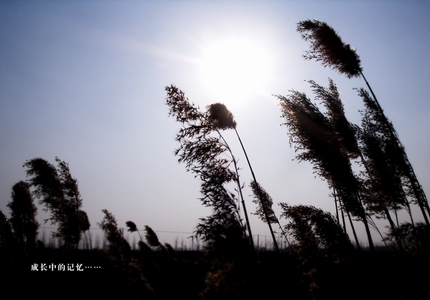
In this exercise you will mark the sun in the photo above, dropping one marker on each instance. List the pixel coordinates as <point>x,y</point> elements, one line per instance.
<point>234,68</point>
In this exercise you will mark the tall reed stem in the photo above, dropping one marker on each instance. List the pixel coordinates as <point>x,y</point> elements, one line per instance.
<point>248,225</point>
<point>258,190</point>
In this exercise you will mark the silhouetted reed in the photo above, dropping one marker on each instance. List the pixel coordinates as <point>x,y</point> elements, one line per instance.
<point>327,47</point>
<point>264,209</point>
<point>222,118</point>
<point>133,228</point>
<point>206,153</point>
<point>312,133</point>
<point>345,132</point>
<point>316,231</point>
<point>118,246</point>
<point>387,164</point>
<point>58,191</point>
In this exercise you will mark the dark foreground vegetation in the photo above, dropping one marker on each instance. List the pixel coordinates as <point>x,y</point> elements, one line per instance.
<point>365,167</point>
<point>194,275</point>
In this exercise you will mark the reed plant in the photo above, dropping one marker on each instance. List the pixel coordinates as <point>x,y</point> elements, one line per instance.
<point>316,231</point>
<point>118,247</point>
<point>58,191</point>
<point>265,211</point>
<point>222,118</point>
<point>133,228</point>
<point>206,154</point>
<point>313,136</point>
<point>327,47</point>
<point>348,136</point>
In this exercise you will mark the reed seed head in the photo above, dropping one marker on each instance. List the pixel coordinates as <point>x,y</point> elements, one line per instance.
<point>220,117</point>
<point>327,47</point>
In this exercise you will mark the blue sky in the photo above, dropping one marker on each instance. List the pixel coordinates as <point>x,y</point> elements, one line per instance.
<point>84,81</point>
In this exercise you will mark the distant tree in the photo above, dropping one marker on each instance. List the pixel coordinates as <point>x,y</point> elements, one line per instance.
<point>58,191</point>
<point>9,249</point>
<point>23,215</point>
<point>6,231</point>
<point>326,46</point>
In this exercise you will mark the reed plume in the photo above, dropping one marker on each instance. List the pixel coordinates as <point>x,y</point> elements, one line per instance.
<point>221,117</point>
<point>133,228</point>
<point>328,48</point>
<point>151,237</point>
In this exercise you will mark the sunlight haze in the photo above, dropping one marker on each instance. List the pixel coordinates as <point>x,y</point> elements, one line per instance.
<point>235,68</point>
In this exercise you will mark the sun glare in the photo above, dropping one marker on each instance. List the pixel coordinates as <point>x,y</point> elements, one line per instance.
<point>234,69</point>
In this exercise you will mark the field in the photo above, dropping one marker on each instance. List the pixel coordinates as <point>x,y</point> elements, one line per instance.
<point>158,274</point>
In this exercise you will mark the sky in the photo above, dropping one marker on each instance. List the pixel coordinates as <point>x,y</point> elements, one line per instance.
<point>84,81</point>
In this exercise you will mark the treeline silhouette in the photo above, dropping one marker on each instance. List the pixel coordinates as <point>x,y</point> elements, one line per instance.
<point>365,167</point>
